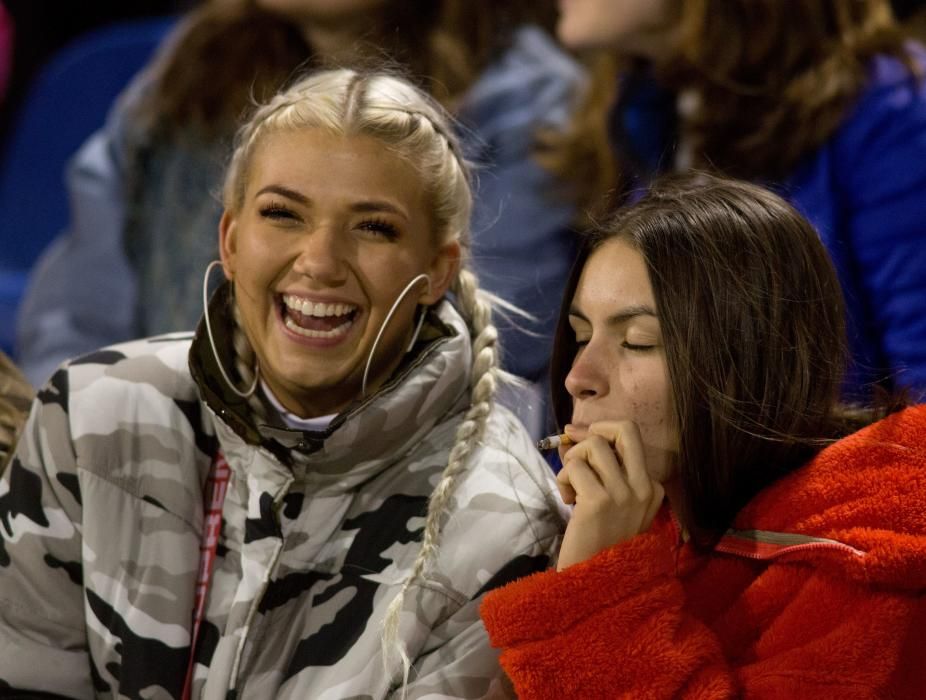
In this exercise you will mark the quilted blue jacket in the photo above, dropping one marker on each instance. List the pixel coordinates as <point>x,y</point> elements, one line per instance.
<point>864,190</point>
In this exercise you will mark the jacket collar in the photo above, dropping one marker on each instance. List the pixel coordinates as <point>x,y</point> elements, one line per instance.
<point>428,385</point>
<point>858,507</point>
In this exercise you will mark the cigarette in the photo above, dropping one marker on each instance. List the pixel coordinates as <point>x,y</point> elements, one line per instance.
<point>551,442</point>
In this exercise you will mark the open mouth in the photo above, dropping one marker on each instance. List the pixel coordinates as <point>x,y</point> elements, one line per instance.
<point>317,319</point>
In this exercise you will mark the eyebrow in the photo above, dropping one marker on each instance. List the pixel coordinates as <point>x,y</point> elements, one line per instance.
<point>363,207</point>
<point>625,314</point>
<point>284,192</point>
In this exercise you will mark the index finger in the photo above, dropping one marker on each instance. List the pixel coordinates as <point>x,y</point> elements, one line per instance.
<point>624,436</point>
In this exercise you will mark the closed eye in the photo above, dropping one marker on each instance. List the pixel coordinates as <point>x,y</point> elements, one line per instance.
<point>380,227</point>
<point>277,212</point>
<point>636,348</point>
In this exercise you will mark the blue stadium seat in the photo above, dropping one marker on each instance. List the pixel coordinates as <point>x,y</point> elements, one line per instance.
<point>66,104</point>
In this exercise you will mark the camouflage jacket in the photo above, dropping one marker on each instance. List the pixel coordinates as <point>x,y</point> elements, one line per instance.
<point>101,515</point>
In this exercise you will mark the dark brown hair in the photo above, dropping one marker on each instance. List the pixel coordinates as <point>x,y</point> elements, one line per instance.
<point>229,54</point>
<point>777,76</point>
<point>751,314</point>
<point>776,79</point>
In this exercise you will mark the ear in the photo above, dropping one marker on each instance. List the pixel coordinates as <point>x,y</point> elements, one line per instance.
<point>443,270</point>
<point>228,243</point>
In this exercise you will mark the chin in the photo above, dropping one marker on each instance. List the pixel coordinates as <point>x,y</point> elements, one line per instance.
<point>577,37</point>
<point>568,38</point>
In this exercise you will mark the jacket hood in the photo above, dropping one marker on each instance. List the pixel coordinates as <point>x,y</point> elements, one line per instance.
<point>429,385</point>
<point>858,507</point>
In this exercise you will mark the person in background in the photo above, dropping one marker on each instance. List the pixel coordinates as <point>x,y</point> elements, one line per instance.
<point>142,220</point>
<point>310,496</point>
<point>822,100</point>
<point>16,395</point>
<point>44,27</point>
<point>737,531</point>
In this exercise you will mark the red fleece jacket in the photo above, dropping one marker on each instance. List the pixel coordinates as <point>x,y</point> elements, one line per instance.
<point>816,592</point>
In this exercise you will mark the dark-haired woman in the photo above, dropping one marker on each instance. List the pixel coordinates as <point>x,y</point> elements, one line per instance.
<point>737,531</point>
<point>144,214</point>
<point>822,100</point>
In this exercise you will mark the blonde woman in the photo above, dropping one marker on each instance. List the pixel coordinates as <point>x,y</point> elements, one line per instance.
<point>308,498</point>
<point>143,210</point>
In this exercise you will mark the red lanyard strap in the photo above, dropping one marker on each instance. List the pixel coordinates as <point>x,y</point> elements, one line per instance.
<point>214,498</point>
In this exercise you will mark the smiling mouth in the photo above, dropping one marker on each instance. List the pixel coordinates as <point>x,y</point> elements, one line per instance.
<point>316,319</point>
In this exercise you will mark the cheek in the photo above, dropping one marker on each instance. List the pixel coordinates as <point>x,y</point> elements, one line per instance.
<point>254,279</point>
<point>384,277</point>
<point>651,414</point>
<point>651,405</point>
<point>261,260</point>
<point>581,24</point>
<point>633,19</point>
<point>654,417</point>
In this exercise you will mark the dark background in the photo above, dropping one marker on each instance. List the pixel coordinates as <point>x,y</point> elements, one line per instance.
<point>43,26</point>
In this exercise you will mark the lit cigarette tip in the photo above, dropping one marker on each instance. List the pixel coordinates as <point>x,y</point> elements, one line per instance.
<point>551,442</point>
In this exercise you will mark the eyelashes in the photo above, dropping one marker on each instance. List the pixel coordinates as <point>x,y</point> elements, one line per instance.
<point>276,211</point>
<point>378,226</point>
<point>637,348</point>
<point>633,347</point>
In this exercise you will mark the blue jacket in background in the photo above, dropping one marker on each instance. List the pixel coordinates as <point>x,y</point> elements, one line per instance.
<point>145,213</point>
<point>864,190</point>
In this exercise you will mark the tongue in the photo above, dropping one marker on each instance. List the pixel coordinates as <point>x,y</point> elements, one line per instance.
<point>317,323</point>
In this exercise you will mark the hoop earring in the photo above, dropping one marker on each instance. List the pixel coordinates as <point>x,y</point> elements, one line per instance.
<point>411,343</point>
<point>395,305</point>
<point>215,353</point>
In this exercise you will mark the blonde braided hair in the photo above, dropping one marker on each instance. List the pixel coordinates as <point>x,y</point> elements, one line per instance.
<point>411,123</point>
<point>477,311</point>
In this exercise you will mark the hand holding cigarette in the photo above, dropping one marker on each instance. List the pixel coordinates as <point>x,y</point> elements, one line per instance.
<point>605,477</point>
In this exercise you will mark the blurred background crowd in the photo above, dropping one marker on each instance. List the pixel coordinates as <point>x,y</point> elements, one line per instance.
<point>116,119</point>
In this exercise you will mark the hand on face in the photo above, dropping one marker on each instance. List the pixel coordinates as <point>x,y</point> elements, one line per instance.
<point>620,389</point>
<point>605,476</point>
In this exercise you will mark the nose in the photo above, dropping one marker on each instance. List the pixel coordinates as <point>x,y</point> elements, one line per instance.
<point>321,255</point>
<point>588,377</point>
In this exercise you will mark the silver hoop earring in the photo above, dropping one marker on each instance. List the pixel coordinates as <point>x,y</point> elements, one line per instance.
<point>215,353</point>
<point>411,343</point>
<point>395,305</point>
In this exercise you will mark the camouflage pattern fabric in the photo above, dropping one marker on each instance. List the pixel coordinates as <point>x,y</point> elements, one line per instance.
<point>101,513</point>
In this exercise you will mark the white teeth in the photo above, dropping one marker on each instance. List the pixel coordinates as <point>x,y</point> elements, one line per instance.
<point>340,330</point>
<point>320,310</point>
